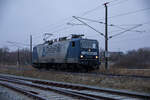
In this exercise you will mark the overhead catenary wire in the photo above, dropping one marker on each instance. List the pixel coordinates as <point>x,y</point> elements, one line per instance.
<point>92,11</point>
<point>89,11</point>
<point>144,23</point>
<point>131,39</point>
<point>88,25</point>
<point>97,21</point>
<point>65,28</point>
<point>117,26</point>
<point>83,14</point>
<point>121,1</point>
<point>58,26</point>
<point>55,27</point>
<point>113,25</point>
<point>62,29</point>
<point>124,31</point>
<point>128,13</point>
<point>91,20</point>
<point>17,43</point>
<point>148,22</point>
<point>52,32</point>
<point>112,1</point>
<point>136,11</point>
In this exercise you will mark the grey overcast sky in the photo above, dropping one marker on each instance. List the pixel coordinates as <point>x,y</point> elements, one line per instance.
<point>20,18</point>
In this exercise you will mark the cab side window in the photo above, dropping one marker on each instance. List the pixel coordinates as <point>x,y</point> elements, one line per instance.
<point>73,44</point>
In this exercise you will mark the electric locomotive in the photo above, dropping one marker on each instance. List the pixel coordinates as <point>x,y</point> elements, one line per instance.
<point>76,53</point>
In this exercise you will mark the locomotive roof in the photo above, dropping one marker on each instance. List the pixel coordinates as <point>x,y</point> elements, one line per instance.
<point>72,39</point>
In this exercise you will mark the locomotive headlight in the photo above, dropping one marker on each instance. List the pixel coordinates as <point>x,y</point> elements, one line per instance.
<point>81,56</point>
<point>96,57</point>
<point>89,50</point>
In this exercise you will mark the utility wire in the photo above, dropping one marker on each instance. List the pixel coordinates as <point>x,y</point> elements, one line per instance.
<point>133,38</point>
<point>97,21</point>
<point>127,24</point>
<point>84,13</point>
<point>88,25</point>
<point>89,11</point>
<point>91,20</point>
<point>128,13</point>
<point>148,22</point>
<point>17,43</point>
<point>65,28</point>
<point>62,29</point>
<point>55,27</point>
<point>118,3</point>
<point>39,34</point>
<point>113,25</point>
<point>125,28</point>
<point>112,1</point>
<point>118,26</point>
<point>124,31</point>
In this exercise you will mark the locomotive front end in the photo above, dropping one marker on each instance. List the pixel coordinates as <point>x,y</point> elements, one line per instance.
<point>89,53</point>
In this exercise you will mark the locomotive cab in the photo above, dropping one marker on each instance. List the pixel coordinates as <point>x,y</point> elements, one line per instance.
<point>89,52</point>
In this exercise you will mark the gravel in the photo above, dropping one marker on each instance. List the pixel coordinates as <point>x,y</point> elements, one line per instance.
<point>8,94</point>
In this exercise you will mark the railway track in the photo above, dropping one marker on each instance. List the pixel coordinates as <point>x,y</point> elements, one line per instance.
<point>75,91</point>
<point>28,93</point>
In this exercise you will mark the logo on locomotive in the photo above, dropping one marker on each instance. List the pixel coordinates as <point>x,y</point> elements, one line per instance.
<point>51,49</point>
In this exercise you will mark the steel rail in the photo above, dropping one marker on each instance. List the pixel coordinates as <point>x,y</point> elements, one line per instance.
<point>81,87</point>
<point>57,90</point>
<point>30,94</point>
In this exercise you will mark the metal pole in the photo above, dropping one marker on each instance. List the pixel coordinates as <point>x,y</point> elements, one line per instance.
<point>31,48</point>
<point>106,37</point>
<point>18,57</point>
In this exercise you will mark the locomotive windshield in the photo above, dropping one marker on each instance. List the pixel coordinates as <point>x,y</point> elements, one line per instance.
<point>89,44</point>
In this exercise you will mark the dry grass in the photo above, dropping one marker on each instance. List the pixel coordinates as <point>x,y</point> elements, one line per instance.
<point>139,85</point>
<point>124,71</point>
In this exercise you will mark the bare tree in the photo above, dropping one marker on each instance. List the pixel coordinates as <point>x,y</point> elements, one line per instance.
<point>11,57</point>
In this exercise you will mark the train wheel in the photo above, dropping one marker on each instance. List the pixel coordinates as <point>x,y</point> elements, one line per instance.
<point>83,68</point>
<point>47,68</point>
<point>37,66</point>
<point>96,67</point>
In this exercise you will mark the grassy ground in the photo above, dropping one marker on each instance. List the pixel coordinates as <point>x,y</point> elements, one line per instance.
<point>124,71</point>
<point>139,85</point>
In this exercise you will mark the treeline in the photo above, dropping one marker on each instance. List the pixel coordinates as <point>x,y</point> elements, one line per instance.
<point>132,59</point>
<point>21,56</point>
